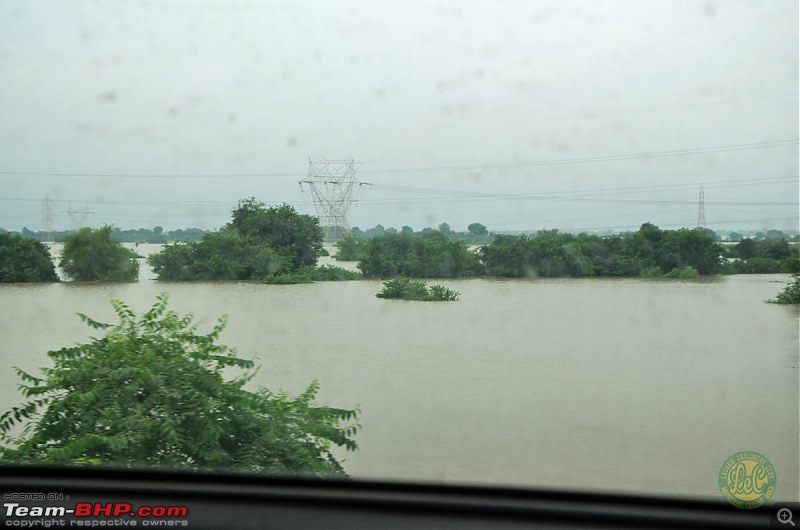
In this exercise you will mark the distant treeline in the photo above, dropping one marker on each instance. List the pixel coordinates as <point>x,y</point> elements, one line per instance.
<point>476,234</point>
<point>649,252</point>
<point>279,245</point>
<point>135,235</point>
<point>770,255</point>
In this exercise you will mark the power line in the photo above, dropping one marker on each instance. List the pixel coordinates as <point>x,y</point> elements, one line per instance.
<point>622,190</point>
<point>454,195</point>
<point>332,183</point>
<point>427,169</point>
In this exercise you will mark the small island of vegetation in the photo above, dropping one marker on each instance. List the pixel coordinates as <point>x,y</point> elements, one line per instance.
<point>94,255</point>
<point>269,244</point>
<point>24,260</point>
<point>408,289</point>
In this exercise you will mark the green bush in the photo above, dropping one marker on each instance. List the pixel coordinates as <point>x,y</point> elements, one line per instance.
<point>351,248</point>
<point>153,392</point>
<point>408,289</point>
<point>639,253</point>
<point>259,242</point>
<point>331,273</point>
<point>24,260</point>
<point>95,255</point>
<point>756,266</point>
<point>687,273</point>
<point>790,293</point>
<point>428,255</point>
<point>652,272</point>
<point>323,273</point>
<point>296,237</point>
<point>223,255</point>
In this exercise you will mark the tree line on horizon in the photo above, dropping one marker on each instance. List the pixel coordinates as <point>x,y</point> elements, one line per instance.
<point>279,245</point>
<point>155,235</point>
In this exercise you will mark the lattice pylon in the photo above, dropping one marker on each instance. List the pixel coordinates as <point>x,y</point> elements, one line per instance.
<point>332,183</point>
<point>701,209</point>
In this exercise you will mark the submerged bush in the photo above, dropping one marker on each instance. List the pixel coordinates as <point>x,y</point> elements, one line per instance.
<point>223,255</point>
<point>259,241</point>
<point>687,273</point>
<point>323,273</point>
<point>551,253</point>
<point>351,248</point>
<point>429,255</point>
<point>408,289</point>
<point>652,272</point>
<point>790,293</point>
<point>91,255</point>
<point>24,260</point>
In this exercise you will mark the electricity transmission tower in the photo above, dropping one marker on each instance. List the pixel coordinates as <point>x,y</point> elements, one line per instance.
<point>332,183</point>
<point>78,217</point>
<point>701,211</point>
<point>47,218</point>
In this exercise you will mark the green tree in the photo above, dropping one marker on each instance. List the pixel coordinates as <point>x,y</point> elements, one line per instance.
<point>257,243</point>
<point>445,229</point>
<point>223,255</point>
<point>746,248</point>
<point>296,237</point>
<point>351,248</point>
<point>650,251</point>
<point>776,234</point>
<point>478,229</point>
<point>428,255</point>
<point>407,229</point>
<point>153,392</point>
<point>24,260</point>
<point>95,255</point>
<point>774,248</point>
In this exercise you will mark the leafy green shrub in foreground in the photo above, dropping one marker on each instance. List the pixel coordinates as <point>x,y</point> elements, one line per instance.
<point>408,289</point>
<point>153,392</point>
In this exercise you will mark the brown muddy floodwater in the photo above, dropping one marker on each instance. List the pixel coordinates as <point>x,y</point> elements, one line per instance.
<point>596,384</point>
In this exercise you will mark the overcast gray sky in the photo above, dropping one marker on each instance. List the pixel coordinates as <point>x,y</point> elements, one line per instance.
<point>519,115</point>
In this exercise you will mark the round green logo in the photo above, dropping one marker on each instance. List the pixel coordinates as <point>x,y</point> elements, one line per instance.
<point>747,480</point>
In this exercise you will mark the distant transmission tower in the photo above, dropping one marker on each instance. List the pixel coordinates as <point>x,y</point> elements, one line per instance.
<point>701,211</point>
<point>332,183</point>
<point>47,218</point>
<point>78,217</point>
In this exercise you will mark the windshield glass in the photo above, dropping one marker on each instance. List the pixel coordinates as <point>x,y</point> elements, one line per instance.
<point>544,244</point>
